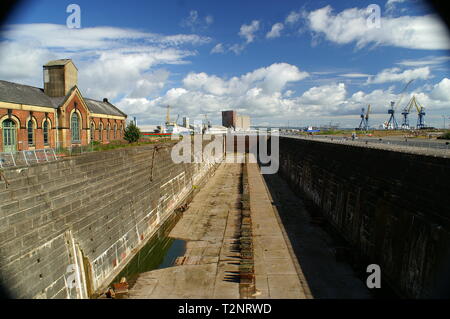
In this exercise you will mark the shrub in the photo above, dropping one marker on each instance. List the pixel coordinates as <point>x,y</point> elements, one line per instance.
<point>445,136</point>
<point>132,133</point>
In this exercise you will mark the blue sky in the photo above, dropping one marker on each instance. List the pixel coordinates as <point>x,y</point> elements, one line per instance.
<point>306,62</point>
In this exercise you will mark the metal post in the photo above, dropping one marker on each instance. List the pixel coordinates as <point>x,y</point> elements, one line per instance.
<point>25,157</point>
<point>14,161</point>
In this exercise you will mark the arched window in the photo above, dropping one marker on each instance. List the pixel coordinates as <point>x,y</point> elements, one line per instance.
<point>115,131</point>
<point>9,136</point>
<point>92,132</point>
<point>75,128</point>
<point>45,131</point>
<point>100,128</point>
<point>30,130</point>
<point>108,131</point>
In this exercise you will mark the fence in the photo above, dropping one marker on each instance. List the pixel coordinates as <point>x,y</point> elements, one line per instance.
<point>27,158</point>
<point>424,147</point>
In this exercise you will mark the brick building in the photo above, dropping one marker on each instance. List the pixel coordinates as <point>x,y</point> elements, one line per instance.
<point>57,115</point>
<point>231,119</point>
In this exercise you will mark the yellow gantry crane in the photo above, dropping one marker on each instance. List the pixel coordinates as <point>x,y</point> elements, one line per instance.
<point>392,123</point>
<point>420,114</point>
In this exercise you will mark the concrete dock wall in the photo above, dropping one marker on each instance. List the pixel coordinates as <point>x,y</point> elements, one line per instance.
<point>68,228</point>
<point>392,208</point>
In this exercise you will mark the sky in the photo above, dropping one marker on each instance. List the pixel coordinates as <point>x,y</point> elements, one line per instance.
<point>294,63</point>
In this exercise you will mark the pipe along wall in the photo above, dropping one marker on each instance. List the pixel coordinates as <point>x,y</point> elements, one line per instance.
<point>392,208</point>
<point>67,228</point>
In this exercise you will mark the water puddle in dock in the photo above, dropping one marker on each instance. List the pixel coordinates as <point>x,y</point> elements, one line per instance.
<point>160,252</point>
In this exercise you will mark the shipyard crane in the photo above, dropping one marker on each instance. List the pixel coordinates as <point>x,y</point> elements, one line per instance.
<point>420,114</point>
<point>364,125</point>
<point>405,113</point>
<point>168,115</point>
<point>207,121</point>
<point>392,123</point>
<point>367,117</point>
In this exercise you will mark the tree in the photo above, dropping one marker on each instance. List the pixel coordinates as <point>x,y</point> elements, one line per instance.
<point>132,133</point>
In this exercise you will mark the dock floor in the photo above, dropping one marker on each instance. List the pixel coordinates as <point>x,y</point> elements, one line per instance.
<point>210,266</point>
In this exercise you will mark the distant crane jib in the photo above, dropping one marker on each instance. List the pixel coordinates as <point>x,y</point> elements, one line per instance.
<point>402,94</point>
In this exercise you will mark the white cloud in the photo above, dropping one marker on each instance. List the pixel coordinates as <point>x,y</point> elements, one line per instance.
<point>264,94</point>
<point>355,75</point>
<point>192,20</point>
<point>441,91</point>
<point>391,4</point>
<point>259,93</point>
<point>112,62</point>
<point>209,19</point>
<point>195,22</point>
<point>415,32</point>
<point>275,32</point>
<point>248,31</point>
<point>270,79</point>
<point>292,18</point>
<point>60,37</point>
<point>150,83</point>
<point>430,61</point>
<point>237,48</point>
<point>116,73</point>
<point>333,94</point>
<point>22,63</point>
<point>396,75</point>
<point>218,48</point>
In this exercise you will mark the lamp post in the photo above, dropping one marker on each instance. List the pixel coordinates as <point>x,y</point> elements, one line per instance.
<point>443,116</point>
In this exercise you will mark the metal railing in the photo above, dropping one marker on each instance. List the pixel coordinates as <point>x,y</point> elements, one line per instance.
<point>27,158</point>
<point>425,147</point>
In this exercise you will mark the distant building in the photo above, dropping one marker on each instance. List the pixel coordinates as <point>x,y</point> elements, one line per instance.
<point>186,122</point>
<point>57,115</point>
<point>230,119</point>
<point>216,129</point>
<point>243,122</point>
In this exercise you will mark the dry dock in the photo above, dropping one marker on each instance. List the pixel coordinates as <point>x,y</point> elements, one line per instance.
<point>210,266</point>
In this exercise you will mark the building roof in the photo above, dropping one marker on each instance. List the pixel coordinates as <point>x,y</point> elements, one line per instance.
<point>24,94</point>
<point>29,95</point>
<point>103,107</point>
<point>60,62</point>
